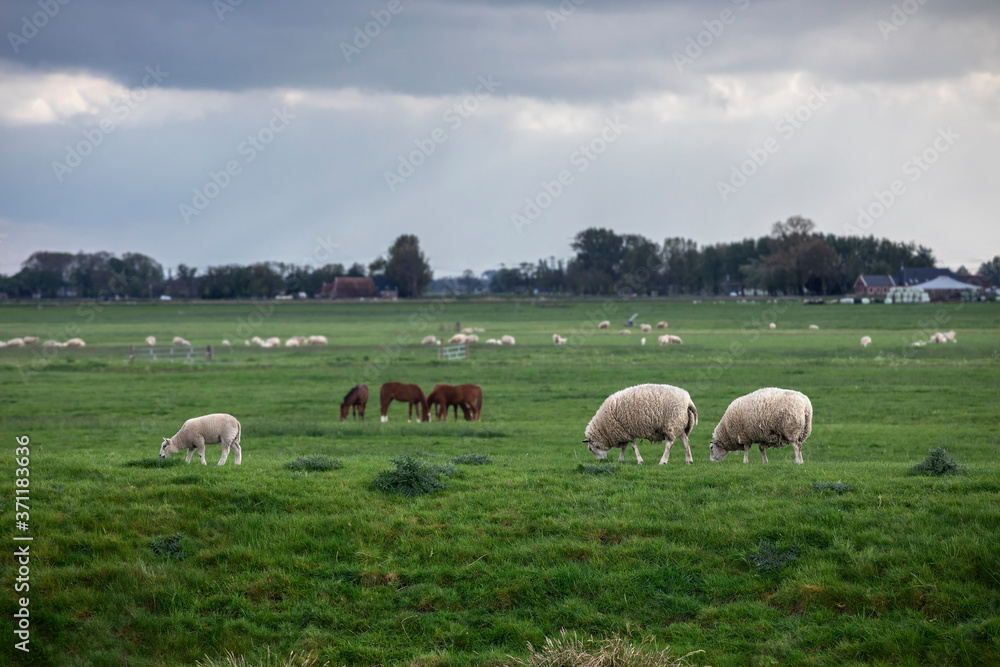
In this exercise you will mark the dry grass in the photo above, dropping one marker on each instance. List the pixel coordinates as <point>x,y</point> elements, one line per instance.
<point>231,660</point>
<point>614,651</point>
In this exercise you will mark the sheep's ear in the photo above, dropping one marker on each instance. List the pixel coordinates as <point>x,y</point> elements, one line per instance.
<point>586,442</point>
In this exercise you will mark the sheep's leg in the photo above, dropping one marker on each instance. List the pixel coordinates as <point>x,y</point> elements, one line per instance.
<point>635,448</point>
<point>763,454</point>
<point>687,449</point>
<point>666,452</point>
<point>797,446</point>
<point>201,452</point>
<point>621,457</point>
<point>225,454</point>
<point>746,453</point>
<point>238,452</point>
<point>190,454</point>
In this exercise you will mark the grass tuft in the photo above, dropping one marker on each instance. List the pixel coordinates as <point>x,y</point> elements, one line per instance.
<point>837,487</point>
<point>168,547</point>
<point>614,651</point>
<point>473,459</point>
<point>596,468</point>
<point>315,463</point>
<point>413,476</point>
<point>768,559</point>
<point>938,463</point>
<point>154,462</point>
<point>231,660</point>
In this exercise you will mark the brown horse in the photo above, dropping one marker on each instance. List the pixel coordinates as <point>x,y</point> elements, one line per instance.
<point>469,397</point>
<point>355,402</point>
<point>408,393</point>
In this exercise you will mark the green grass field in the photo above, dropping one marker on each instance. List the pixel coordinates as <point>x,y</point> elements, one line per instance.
<point>898,570</point>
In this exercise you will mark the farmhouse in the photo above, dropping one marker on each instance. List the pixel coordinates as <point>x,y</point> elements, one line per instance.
<point>872,284</point>
<point>911,277</point>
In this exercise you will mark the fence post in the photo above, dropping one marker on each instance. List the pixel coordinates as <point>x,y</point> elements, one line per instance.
<point>208,353</point>
<point>466,349</point>
<point>131,352</point>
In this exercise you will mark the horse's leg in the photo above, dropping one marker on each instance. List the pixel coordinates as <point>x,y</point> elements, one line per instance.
<point>384,406</point>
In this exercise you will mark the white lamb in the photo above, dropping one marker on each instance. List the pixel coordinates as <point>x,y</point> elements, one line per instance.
<point>292,342</point>
<point>866,341</point>
<point>646,328</point>
<point>813,326</point>
<point>180,342</point>
<point>625,332</point>
<point>772,325</point>
<point>15,342</point>
<point>256,340</point>
<point>458,338</point>
<point>661,325</point>
<point>769,417</point>
<point>273,341</point>
<point>604,325</point>
<point>667,339</point>
<point>150,340</point>
<point>651,412</point>
<point>506,339</point>
<point>472,338</point>
<point>939,338</point>
<point>467,330</point>
<point>478,330</point>
<point>317,340</point>
<point>208,430</point>
<point>558,340</point>
<point>31,340</point>
<point>75,342</point>
<point>643,341</point>
<point>493,341</point>
<point>48,343</point>
<point>429,340</point>
<point>4,343</point>
<point>950,335</point>
<point>226,343</point>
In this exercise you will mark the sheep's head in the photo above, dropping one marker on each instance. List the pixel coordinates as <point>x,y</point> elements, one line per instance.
<point>717,453</point>
<point>168,448</point>
<point>599,451</point>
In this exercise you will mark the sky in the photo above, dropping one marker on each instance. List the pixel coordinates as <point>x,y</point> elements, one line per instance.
<point>211,132</point>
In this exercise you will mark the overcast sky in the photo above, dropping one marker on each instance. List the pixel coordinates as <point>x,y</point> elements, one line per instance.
<point>207,133</point>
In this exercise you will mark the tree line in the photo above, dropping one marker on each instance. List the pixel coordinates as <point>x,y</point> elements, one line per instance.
<point>793,259</point>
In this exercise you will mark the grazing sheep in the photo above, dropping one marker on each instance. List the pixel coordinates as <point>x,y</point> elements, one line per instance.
<point>769,417</point>
<point>151,340</point>
<point>939,338</point>
<point>291,342</point>
<point>180,342</point>
<point>866,341</point>
<point>626,332</point>
<point>246,342</point>
<point>48,343</point>
<point>4,344</point>
<point>478,330</point>
<point>226,343</point>
<point>31,340</point>
<point>75,342</point>
<point>273,341</point>
<point>493,341</point>
<point>651,412</point>
<point>661,325</point>
<point>207,430</point>
<point>643,341</point>
<point>646,328</point>
<point>667,339</point>
<point>558,340</point>
<point>458,338</point>
<point>317,340</point>
<point>472,338</point>
<point>429,340</point>
<point>15,342</point>
<point>813,326</point>
<point>950,335</point>
<point>604,325</point>
<point>772,325</point>
<point>467,330</point>
<point>918,343</point>
<point>506,340</point>
<point>256,340</point>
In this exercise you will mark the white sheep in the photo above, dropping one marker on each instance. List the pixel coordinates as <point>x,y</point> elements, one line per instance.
<point>429,340</point>
<point>273,341</point>
<point>257,340</point>
<point>151,340</point>
<point>458,338</point>
<point>15,342</point>
<point>226,343</point>
<point>48,343</point>
<point>493,341</point>
<point>506,340</point>
<point>558,340</point>
<point>646,328</point>
<point>661,325</point>
<point>625,332</point>
<point>667,339</point>
<point>651,412</point>
<point>180,342</point>
<point>478,330</point>
<point>950,335</point>
<point>207,430</point>
<point>643,341</point>
<point>813,326</point>
<point>317,340</point>
<point>604,325</point>
<point>75,342</point>
<point>31,340</point>
<point>772,325</point>
<point>4,343</point>
<point>467,330</point>
<point>472,338</point>
<point>939,338</point>
<point>292,342</point>
<point>866,341</point>
<point>769,417</point>
<point>918,343</point>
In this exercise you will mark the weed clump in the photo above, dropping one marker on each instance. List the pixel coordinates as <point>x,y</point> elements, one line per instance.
<point>837,487</point>
<point>938,463</point>
<point>473,459</point>
<point>413,476</point>
<point>272,660</point>
<point>316,463</point>
<point>617,651</point>
<point>768,559</point>
<point>596,469</point>
<point>168,547</point>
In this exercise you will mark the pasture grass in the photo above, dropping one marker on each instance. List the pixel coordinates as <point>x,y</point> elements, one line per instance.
<point>902,569</point>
